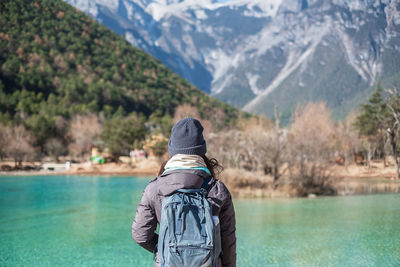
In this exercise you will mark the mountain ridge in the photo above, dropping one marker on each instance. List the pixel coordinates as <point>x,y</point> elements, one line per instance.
<point>252,53</point>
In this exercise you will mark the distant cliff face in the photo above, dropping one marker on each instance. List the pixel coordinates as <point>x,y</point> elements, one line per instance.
<point>258,53</point>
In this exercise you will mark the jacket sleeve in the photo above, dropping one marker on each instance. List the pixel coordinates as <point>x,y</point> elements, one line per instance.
<point>145,223</point>
<point>228,233</point>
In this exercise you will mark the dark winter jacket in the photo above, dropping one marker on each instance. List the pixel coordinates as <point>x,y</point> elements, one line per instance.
<point>148,213</point>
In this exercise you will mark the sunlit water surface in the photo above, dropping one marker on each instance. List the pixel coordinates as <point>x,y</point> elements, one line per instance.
<point>85,221</point>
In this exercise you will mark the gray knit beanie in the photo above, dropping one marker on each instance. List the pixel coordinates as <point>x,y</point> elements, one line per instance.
<point>187,138</point>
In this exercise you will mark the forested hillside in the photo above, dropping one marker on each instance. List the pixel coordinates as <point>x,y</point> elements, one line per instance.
<point>56,62</point>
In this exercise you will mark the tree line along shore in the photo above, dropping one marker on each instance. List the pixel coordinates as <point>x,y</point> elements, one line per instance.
<point>314,155</point>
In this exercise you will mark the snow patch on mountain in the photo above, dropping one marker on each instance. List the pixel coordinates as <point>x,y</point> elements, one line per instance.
<point>256,8</point>
<point>294,60</point>
<point>220,63</point>
<point>253,83</point>
<point>90,7</point>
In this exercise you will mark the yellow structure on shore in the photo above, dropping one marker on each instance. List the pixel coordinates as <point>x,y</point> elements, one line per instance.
<point>153,144</point>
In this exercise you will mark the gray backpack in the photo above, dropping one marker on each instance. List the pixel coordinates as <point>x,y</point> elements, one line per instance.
<point>189,235</point>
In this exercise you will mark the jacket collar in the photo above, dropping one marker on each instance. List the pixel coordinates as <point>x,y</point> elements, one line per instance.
<point>178,179</point>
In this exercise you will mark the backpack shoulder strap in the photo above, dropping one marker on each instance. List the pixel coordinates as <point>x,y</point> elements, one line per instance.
<point>205,183</point>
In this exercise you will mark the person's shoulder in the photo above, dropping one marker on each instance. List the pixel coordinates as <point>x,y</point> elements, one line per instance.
<point>151,188</point>
<point>154,179</point>
<point>220,185</point>
<point>219,189</point>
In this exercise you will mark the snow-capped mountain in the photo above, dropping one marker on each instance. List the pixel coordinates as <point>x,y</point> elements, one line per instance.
<point>257,53</point>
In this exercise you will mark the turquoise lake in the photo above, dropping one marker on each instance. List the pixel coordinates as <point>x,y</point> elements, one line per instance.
<point>86,221</point>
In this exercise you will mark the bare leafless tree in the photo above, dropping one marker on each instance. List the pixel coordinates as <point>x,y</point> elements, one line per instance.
<point>3,141</point>
<point>84,130</point>
<point>19,144</point>
<point>227,147</point>
<point>185,110</point>
<point>55,148</point>
<point>393,125</point>
<point>277,152</point>
<point>208,128</point>
<point>346,139</point>
<point>310,144</point>
<point>265,146</point>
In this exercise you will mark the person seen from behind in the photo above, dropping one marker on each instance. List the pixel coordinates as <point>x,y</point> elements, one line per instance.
<point>193,208</point>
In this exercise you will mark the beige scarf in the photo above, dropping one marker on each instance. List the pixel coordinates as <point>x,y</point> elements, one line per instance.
<point>183,161</point>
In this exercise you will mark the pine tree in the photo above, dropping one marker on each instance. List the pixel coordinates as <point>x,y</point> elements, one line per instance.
<point>372,123</point>
<point>372,114</point>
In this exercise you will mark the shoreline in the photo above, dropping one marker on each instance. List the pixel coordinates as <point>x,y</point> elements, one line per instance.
<point>349,180</point>
<point>56,173</point>
<point>144,168</point>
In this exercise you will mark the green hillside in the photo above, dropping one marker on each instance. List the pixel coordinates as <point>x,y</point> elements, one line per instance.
<point>57,62</point>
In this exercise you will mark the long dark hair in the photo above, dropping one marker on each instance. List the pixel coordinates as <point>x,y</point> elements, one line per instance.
<point>212,164</point>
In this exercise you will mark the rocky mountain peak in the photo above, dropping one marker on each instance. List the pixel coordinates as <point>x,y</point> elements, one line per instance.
<point>257,53</point>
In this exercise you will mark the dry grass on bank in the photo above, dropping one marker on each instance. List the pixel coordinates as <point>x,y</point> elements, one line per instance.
<point>375,171</point>
<point>144,167</point>
<point>243,183</point>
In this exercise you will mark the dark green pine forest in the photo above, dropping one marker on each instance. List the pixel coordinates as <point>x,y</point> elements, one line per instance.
<point>56,62</point>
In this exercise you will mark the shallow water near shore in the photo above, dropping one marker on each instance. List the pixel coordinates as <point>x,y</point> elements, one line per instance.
<point>85,221</point>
